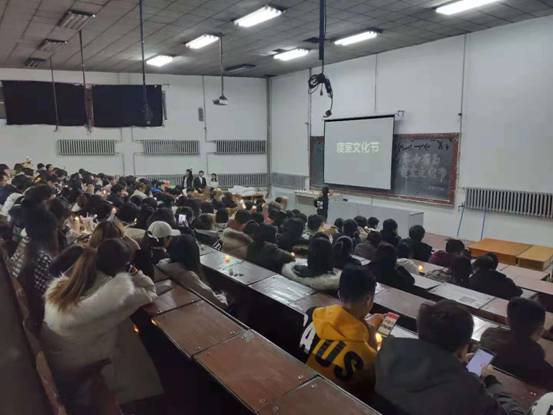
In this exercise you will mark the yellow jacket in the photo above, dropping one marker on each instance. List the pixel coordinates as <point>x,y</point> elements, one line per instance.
<point>340,347</point>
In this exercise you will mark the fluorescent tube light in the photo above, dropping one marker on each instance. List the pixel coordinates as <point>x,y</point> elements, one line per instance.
<point>34,62</point>
<point>75,20</point>
<point>359,37</point>
<point>202,41</point>
<point>160,60</point>
<point>239,68</point>
<point>462,6</point>
<point>49,45</point>
<point>291,54</point>
<point>259,16</point>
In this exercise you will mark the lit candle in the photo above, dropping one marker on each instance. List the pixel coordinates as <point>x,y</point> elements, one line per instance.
<point>227,259</point>
<point>421,269</point>
<point>293,254</point>
<point>378,338</point>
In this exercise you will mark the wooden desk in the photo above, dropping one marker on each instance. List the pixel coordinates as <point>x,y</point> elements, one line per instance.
<point>315,300</point>
<point>317,397</point>
<point>236,362</point>
<point>523,393</point>
<point>204,250</point>
<point>425,283</point>
<point>282,289</point>
<point>217,260</point>
<point>462,295</point>
<point>401,302</point>
<point>537,257</point>
<point>506,251</point>
<point>519,273</point>
<point>196,327</point>
<point>427,266</point>
<point>246,273</point>
<point>175,298</point>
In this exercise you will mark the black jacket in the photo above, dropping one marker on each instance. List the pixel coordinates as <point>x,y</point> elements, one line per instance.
<point>390,237</point>
<point>115,200</point>
<point>523,358</point>
<point>188,182</point>
<point>421,250</point>
<point>420,379</point>
<point>322,206</point>
<point>397,277</point>
<point>269,256</point>
<point>200,183</point>
<point>494,283</point>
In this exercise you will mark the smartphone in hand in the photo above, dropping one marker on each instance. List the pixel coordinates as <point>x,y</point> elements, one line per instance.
<point>480,360</point>
<point>390,320</point>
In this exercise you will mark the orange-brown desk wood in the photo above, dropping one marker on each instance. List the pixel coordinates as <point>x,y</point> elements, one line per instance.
<point>319,397</point>
<point>497,310</point>
<point>196,327</point>
<point>401,302</point>
<point>537,257</point>
<point>172,299</point>
<point>523,393</point>
<point>282,289</point>
<point>506,251</point>
<point>236,362</point>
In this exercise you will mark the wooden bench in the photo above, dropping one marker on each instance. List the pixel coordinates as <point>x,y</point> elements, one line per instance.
<point>507,252</point>
<point>537,257</point>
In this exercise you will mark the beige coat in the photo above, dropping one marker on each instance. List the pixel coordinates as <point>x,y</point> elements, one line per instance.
<point>235,243</point>
<point>99,328</point>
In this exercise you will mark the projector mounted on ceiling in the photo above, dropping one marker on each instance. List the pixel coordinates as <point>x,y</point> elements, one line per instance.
<point>222,100</point>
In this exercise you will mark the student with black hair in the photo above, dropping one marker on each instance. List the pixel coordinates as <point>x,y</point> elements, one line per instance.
<point>421,250</point>
<point>264,250</point>
<point>200,182</point>
<point>351,229</point>
<point>292,235</point>
<point>367,248</point>
<point>221,219</point>
<point>404,258</point>
<point>338,342</point>
<point>342,250</point>
<point>321,203</point>
<point>453,247</point>
<point>516,349</point>
<point>428,375</point>
<point>372,223</point>
<point>318,271</point>
<point>314,223</point>
<point>5,188</point>
<point>188,180</point>
<point>20,184</point>
<point>457,273</point>
<point>235,241</point>
<point>339,223</point>
<point>389,232</point>
<point>489,281</point>
<point>384,267</point>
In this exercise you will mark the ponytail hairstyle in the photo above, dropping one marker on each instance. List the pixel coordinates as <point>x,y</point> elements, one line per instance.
<point>342,250</point>
<point>68,292</point>
<point>105,230</point>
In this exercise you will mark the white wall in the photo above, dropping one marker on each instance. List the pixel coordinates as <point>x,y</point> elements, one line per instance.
<point>244,118</point>
<point>499,79</point>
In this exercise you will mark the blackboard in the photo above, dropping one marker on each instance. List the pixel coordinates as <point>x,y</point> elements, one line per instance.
<point>424,166</point>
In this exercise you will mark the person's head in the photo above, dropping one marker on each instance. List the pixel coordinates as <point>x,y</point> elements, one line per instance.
<point>127,212</point>
<point>250,228</point>
<point>361,221</point>
<point>189,172</point>
<point>374,238</point>
<point>242,217</point>
<point>526,318</point>
<point>113,256</point>
<point>339,223</point>
<point>118,189</point>
<point>149,201</point>
<point>350,228</point>
<point>103,231</point>
<point>39,194</point>
<point>461,268</point>
<point>389,226</point>
<point>293,227</point>
<point>41,226</point>
<point>386,255</point>
<point>40,166</point>
<point>22,183</point>
<point>3,180</point>
<point>213,177</point>
<point>164,215</point>
<point>494,259</point>
<point>483,263</point>
<point>356,290</point>
<point>161,233</point>
<point>207,207</point>
<point>416,233</point>
<point>141,187</point>
<point>319,257</point>
<point>204,222</point>
<point>325,190</point>
<point>102,209</point>
<point>185,251</point>
<point>257,217</point>
<point>454,246</point>
<point>342,250</point>
<point>60,209</point>
<point>49,167</point>
<point>404,250</point>
<point>201,173</point>
<point>314,222</point>
<point>264,233</point>
<point>221,216</point>
<point>446,325</point>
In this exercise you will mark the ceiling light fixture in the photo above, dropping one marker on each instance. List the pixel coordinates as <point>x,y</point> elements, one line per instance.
<point>239,68</point>
<point>462,6</point>
<point>160,60</point>
<point>48,45</point>
<point>291,54</point>
<point>75,20</point>
<point>359,37</point>
<point>34,62</point>
<point>259,16</point>
<point>202,41</point>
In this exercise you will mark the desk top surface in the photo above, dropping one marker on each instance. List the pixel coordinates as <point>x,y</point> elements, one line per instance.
<point>216,260</point>
<point>401,302</point>
<point>427,266</point>
<point>235,364</point>
<point>462,295</point>
<point>315,300</point>
<point>500,246</point>
<point>172,299</point>
<point>196,327</point>
<point>537,253</point>
<point>524,273</point>
<point>246,273</point>
<point>282,289</point>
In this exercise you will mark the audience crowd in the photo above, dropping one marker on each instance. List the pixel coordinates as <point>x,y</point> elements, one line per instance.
<point>87,249</point>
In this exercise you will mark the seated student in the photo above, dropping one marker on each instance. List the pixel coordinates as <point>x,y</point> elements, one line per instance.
<point>384,267</point>
<point>351,229</point>
<point>428,375</point>
<point>184,267</point>
<point>339,224</point>
<point>117,195</point>
<point>458,272</point>
<point>421,250</point>
<point>20,183</point>
<point>489,281</point>
<point>342,249</point>
<point>372,224</point>
<point>389,232</point>
<point>404,255</point>
<point>153,247</point>
<point>314,223</point>
<point>235,241</point>
<point>362,224</point>
<point>86,321</point>
<point>221,219</point>
<point>453,247</point>
<point>367,249</point>
<point>292,235</point>
<point>318,271</point>
<point>140,191</point>
<point>264,251</point>
<point>516,349</point>
<point>338,342</point>
<point>127,215</point>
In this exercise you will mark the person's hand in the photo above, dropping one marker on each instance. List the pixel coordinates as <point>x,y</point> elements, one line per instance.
<point>375,320</point>
<point>468,357</point>
<point>487,371</point>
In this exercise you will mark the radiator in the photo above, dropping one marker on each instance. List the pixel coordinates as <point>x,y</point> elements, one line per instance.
<point>240,146</point>
<point>75,147</point>
<point>288,181</point>
<point>225,180</point>
<point>510,201</point>
<point>170,147</point>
